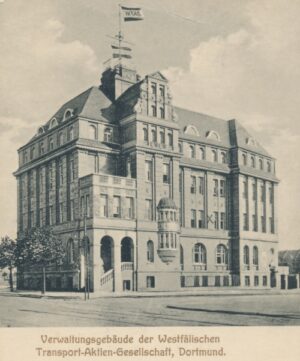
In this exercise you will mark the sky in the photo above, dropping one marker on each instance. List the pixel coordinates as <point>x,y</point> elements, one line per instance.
<point>228,58</point>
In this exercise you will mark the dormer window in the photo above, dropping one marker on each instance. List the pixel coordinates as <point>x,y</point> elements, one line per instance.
<point>107,135</point>
<point>53,123</point>
<point>212,134</point>
<point>68,114</point>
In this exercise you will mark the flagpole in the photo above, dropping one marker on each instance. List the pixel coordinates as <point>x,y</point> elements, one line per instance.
<point>120,34</point>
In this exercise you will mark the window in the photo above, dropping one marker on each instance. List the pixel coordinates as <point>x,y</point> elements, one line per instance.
<point>245,190</point>
<point>180,147</point>
<point>150,251</point>
<point>202,153</point>
<point>41,182</point>
<point>150,281</point>
<point>247,281</point>
<point>61,173</point>
<point>166,173</point>
<point>201,185</point>
<point>193,184</point>
<point>87,205</point>
<point>222,188</point>
<point>42,149</point>
<point>25,156</point>
<point>31,152</point>
<point>254,194</point>
<point>221,255</point>
<point>261,164</point>
<point>153,136</point>
<point>32,219</point>
<point>50,176</point>
<point>72,210</point>
<point>269,166</point>
<point>42,218</point>
<point>51,144</point>
<point>191,151</point>
<point>70,251</point>
<point>162,112</point>
<point>153,88</point>
<point>129,207</point>
<point>223,221</point>
<point>254,222</point>
<point>148,170</point>
<point>103,205</point>
<point>117,206</point>
<point>255,257</point>
<point>149,215</point>
<point>201,223</point>
<point>223,157</point>
<point>252,161</point>
<point>153,107</point>
<point>245,222</point>
<point>162,91</point>
<point>51,216</point>
<point>216,187</point>
<point>60,138</point>
<point>262,193</point>
<point>246,257</point>
<point>170,140</point>
<point>271,195</point>
<point>162,137</point>
<point>263,224</point>
<point>71,133</point>
<point>108,135</point>
<point>146,134</point>
<point>92,132</point>
<point>199,254</point>
<point>271,224</point>
<point>216,220</point>
<point>72,170</point>
<point>193,218</point>
<point>244,159</point>
<point>61,212</point>
<point>265,280</point>
<point>214,155</point>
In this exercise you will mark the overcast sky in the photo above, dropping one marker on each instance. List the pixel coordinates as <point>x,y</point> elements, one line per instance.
<point>229,58</point>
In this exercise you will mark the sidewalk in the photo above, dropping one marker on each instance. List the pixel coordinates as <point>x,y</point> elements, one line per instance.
<point>208,291</point>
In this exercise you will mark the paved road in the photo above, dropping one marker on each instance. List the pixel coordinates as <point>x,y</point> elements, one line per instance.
<point>229,310</point>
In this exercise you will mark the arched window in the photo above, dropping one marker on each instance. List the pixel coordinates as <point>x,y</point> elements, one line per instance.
<point>107,135</point>
<point>252,161</point>
<point>53,123</point>
<point>199,253</point>
<point>269,166</point>
<point>246,257</point>
<point>70,251</point>
<point>145,133</point>
<point>71,133</point>
<point>191,151</point>
<point>180,147</point>
<point>223,157</point>
<point>92,132</point>
<point>68,113</point>
<point>244,157</point>
<point>150,251</point>
<point>221,255</point>
<point>261,164</point>
<point>255,256</point>
<point>214,155</point>
<point>202,153</point>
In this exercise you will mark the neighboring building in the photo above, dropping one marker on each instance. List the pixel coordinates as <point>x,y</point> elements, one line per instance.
<point>170,199</point>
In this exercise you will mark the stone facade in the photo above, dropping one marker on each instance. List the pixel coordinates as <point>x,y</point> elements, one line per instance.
<point>169,199</point>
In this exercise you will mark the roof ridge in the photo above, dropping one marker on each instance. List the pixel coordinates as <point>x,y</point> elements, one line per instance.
<point>200,113</point>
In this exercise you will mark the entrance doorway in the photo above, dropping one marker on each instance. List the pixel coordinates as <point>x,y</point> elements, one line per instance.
<point>106,253</point>
<point>126,285</point>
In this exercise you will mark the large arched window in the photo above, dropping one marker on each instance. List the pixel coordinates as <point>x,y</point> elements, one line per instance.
<point>246,257</point>
<point>255,257</point>
<point>199,253</point>
<point>150,251</point>
<point>92,132</point>
<point>221,255</point>
<point>70,251</point>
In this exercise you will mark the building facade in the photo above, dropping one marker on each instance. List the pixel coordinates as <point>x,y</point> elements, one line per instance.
<point>169,199</point>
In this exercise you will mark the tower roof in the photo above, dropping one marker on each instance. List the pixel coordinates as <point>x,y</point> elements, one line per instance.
<point>166,203</point>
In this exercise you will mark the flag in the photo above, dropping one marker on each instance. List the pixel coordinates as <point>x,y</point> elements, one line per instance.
<point>132,14</point>
<point>121,56</point>
<point>121,47</point>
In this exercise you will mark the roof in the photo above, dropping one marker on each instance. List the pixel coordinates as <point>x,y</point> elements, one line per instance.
<point>166,203</point>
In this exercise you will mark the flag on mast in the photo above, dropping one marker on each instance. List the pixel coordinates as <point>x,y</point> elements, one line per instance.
<point>121,47</point>
<point>132,13</point>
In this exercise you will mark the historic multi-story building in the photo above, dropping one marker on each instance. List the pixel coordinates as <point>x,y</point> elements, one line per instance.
<point>168,198</point>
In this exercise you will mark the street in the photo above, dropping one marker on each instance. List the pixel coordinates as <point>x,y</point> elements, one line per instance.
<point>221,310</point>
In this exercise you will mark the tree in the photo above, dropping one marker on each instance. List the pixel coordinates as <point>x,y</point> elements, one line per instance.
<point>8,257</point>
<point>40,247</point>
